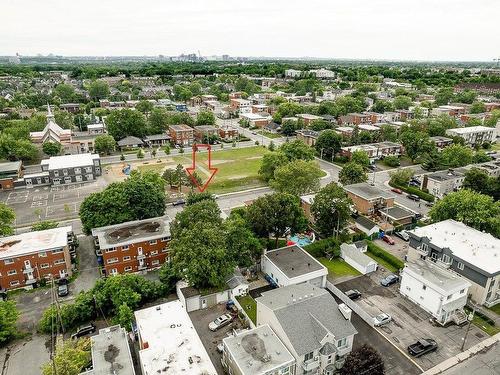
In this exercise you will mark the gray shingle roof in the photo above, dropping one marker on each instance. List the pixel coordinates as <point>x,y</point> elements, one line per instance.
<point>130,141</point>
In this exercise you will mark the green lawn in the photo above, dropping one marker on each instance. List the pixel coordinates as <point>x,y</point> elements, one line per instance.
<point>483,324</point>
<point>269,134</point>
<point>250,307</point>
<point>337,267</point>
<point>382,262</point>
<point>153,166</point>
<point>237,168</point>
<point>495,308</point>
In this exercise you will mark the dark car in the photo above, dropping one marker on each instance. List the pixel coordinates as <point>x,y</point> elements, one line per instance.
<point>422,346</point>
<point>83,330</point>
<point>389,280</point>
<point>413,197</point>
<point>353,294</point>
<point>414,183</point>
<point>63,281</point>
<point>3,295</point>
<point>63,290</point>
<point>179,202</point>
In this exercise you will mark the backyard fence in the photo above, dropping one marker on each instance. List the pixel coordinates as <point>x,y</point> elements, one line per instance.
<point>350,303</point>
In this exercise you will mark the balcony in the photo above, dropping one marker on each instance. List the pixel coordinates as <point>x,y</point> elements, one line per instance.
<point>141,256</point>
<point>421,251</point>
<point>142,267</point>
<point>311,364</point>
<point>442,264</point>
<point>28,269</point>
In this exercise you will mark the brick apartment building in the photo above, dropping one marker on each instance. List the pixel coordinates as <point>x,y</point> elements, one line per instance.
<point>182,135</point>
<point>204,133</point>
<point>10,171</point>
<point>27,258</point>
<point>228,132</point>
<point>133,246</point>
<point>355,119</point>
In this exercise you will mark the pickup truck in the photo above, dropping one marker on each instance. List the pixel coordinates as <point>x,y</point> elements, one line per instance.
<point>421,347</point>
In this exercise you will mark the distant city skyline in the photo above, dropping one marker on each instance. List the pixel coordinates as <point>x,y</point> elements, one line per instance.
<point>425,30</point>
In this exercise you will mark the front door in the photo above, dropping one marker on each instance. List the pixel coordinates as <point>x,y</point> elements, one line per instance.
<point>29,183</point>
<point>62,274</point>
<point>203,303</point>
<point>27,263</point>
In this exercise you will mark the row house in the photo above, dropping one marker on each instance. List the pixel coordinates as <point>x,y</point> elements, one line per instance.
<point>70,107</point>
<point>27,258</point>
<point>67,169</point>
<point>474,135</point>
<point>308,118</point>
<point>450,110</point>
<point>259,108</point>
<point>355,119</point>
<point>134,246</point>
<point>236,95</point>
<point>374,117</point>
<point>309,137</point>
<point>441,142</point>
<point>240,105</point>
<point>375,151</point>
<point>181,135</point>
<point>441,183</point>
<point>204,133</point>
<point>256,119</point>
<point>369,199</point>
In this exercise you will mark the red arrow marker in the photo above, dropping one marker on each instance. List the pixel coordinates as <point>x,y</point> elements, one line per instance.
<point>190,170</point>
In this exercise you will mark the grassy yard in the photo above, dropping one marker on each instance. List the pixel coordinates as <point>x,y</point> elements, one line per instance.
<point>495,308</point>
<point>483,324</point>
<point>382,262</point>
<point>153,166</point>
<point>338,268</point>
<point>269,134</point>
<point>237,168</point>
<point>250,307</point>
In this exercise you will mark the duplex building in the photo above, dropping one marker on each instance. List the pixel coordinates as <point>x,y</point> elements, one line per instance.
<point>204,133</point>
<point>133,246</point>
<point>474,135</point>
<point>441,142</point>
<point>441,183</point>
<point>375,151</point>
<point>309,137</point>
<point>27,258</point>
<point>240,106</point>
<point>450,110</point>
<point>355,119</point>
<point>315,330</point>
<point>168,342</point>
<point>438,291</point>
<point>68,169</point>
<point>308,118</point>
<point>293,265</point>
<point>466,251</point>
<point>256,352</point>
<point>368,199</point>
<point>256,119</point>
<point>181,135</point>
<point>228,132</point>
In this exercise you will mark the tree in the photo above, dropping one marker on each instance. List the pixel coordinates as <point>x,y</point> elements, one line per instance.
<point>392,161</point>
<point>141,196</point>
<point>168,276</point>
<point>476,210</point>
<point>402,102</point>
<point>241,244</point>
<point>477,180</point>
<point>352,173</point>
<point>205,211</point>
<point>289,127</point>
<point>443,96</point>
<point>125,122</point>
<point>44,225</point>
<point>401,177</point>
<point>416,143</point>
<point>144,106</point>
<point>388,133</point>
<point>158,121</point>
<point>276,214</point>
<point>328,143</point>
<point>270,162</point>
<point>7,217</point>
<point>64,92</point>
<point>52,148</point>
<point>124,317</point>
<point>361,157</point>
<point>297,177</point>
<point>319,125</point>
<point>480,157</point>
<point>198,197</point>
<point>17,149</point>
<point>297,150</point>
<point>98,89</point>
<point>455,156</point>
<point>8,319</point>
<point>363,360</point>
<point>477,107</point>
<point>205,118</point>
<point>70,357</point>
<point>331,209</point>
<point>140,154</point>
<point>104,144</point>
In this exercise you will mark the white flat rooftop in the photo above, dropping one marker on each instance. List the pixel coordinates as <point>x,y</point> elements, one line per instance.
<point>171,344</point>
<point>33,242</point>
<point>70,161</point>
<point>471,129</point>
<point>252,116</point>
<point>471,245</point>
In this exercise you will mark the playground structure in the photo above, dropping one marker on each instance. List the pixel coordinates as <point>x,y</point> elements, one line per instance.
<point>126,169</point>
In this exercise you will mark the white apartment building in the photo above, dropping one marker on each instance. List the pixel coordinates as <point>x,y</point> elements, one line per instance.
<point>474,134</point>
<point>292,73</point>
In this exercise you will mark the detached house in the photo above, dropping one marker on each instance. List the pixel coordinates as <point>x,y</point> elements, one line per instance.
<point>317,332</point>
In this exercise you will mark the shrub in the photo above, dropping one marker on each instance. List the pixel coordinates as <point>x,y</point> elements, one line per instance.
<point>382,254</point>
<point>327,246</point>
<point>392,161</point>
<point>414,190</point>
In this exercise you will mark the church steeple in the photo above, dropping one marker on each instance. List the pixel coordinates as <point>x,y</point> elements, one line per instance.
<point>50,116</point>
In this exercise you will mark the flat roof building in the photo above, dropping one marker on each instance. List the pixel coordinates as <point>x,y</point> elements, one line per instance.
<point>168,342</point>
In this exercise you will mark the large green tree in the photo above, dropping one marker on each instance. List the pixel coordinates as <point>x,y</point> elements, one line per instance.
<point>352,173</point>
<point>104,144</point>
<point>44,225</point>
<point>158,121</point>
<point>331,209</point>
<point>270,162</point>
<point>125,122</point>
<point>7,217</point>
<point>297,149</point>
<point>70,358</point>
<point>297,177</point>
<point>361,157</point>
<point>65,92</point>
<point>328,143</point>
<point>416,143</point>
<point>17,149</point>
<point>8,319</point>
<point>455,156</point>
<point>205,118</point>
<point>52,148</point>
<point>242,245</point>
<point>98,89</point>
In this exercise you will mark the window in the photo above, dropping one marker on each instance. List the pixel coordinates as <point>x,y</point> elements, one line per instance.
<point>125,247</point>
<point>11,272</point>
<point>57,251</point>
<point>462,291</point>
<point>128,268</point>
<point>113,271</point>
<point>155,262</point>
<point>449,297</point>
<point>126,258</point>
<point>78,178</point>
<point>445,258</point>
<point>89,177</point>
<point>9,261</point>
<point>112,260</point>
<point>14,282</point>
<point>342,342</point>
<point>65,172</point>
<point>59,261</point>
<point>78,170</point>
<point>424,287</point>
<point>44,265</point>
<point>424,247</point>
<point>42,254</point>
<point>88,169</point>
<point>308,356</point>
<point>154,252</point>
<point>111,249</point>
<point>153,242</point>
<point>56,173</point>
<point>460,266</point>
<point>165,239</point>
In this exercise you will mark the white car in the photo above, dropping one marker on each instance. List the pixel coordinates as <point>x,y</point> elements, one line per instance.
<point>220,322</point>
<point>381,319</point>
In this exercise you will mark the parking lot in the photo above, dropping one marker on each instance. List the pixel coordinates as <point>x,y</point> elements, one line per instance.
<point>410,322</point>
<point>201,319</point>
<point>49,202</point>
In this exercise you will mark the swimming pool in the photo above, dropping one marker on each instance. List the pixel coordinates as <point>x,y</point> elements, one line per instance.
<point>300,239</point>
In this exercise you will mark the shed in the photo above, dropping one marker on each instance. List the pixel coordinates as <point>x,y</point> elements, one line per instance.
<point>355,258</point>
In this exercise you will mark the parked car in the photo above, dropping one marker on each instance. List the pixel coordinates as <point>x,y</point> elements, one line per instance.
<point>429,204</point>
<point>63,281</point>
<point>397,191</point>
<point>389,280</point>
<point>3,295</point>
<point>413,197</point>
<point>403,235</point>
<point>414,184</point>
<point>381,319</point>
<point>179,202</point>
<point>63,290</point>
<point>84,330</point>
<point>422,346</point>
<point>220,322</point>
<point>388,239</point>
<point>372,167</point>
<point>353,294</point>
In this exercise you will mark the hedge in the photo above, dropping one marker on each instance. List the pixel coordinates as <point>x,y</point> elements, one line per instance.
<point>381,253</point>
<point>413,190</point>
<point>321,248</point>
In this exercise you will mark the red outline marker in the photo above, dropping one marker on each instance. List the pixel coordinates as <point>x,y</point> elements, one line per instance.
<point>190,170</point>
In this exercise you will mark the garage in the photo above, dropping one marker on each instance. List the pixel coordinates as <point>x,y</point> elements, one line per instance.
<point>355,258</point>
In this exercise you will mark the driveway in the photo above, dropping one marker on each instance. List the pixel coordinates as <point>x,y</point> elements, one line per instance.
<point>210,340</point>
<point>87,266</point>
<point>25,357</point>
<point>410,322</point>
<point>399,249</point>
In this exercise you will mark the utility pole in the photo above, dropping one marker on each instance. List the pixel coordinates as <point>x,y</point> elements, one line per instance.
<point>469,318</point>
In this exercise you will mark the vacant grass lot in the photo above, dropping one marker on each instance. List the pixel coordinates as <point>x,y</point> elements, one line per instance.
<point>250,307</point>
<point>269,134</point>
<point>237,168</point>
<point>338,268</point>
<point>154,166</point>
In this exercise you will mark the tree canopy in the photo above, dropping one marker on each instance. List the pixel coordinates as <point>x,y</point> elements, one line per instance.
<point>124,122</point>
<point>7,217</point>
<point>297,177</point>
<point>8,319</point>
<point>352,173</point>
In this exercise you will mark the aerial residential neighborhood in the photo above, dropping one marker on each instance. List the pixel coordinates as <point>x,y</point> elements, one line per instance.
<point>205,188</point>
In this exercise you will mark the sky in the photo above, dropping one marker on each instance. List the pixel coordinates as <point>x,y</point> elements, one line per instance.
<point>449,30</point>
